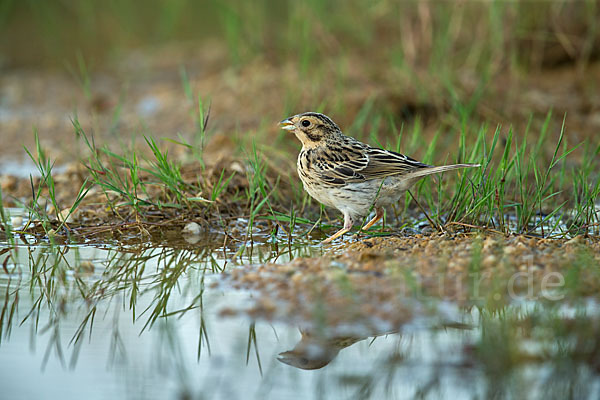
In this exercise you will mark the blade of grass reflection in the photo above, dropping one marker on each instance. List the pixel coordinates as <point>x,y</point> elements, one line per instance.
<point>174,266</point>
<point>8,312</point>
<point>53,327</point>
<point>252,342</point>
<point>77,340</point>
<point>203,333</point>
<point>117,349</point>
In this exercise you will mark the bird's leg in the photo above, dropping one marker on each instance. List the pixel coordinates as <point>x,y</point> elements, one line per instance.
<point>377,217</point>
<point>347,226</point>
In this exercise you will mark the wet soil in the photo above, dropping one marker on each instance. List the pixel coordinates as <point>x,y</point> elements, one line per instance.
<point>377,280</point>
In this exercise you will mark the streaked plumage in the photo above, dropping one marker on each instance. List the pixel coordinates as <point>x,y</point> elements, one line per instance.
<point>341,172</point>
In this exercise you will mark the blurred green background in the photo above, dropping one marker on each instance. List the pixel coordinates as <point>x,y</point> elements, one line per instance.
<point>535,33</point>
<point>431,33</point>
<point>446,64</point>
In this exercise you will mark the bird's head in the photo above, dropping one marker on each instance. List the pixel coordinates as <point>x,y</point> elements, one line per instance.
<point>311,128</point>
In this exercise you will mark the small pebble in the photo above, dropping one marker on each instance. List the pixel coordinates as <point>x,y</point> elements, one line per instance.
<point>192,239</point>
<point>67,216</point>
<point>510,250</point>
<point>577,240</point>
<point>490,260</point>
<point>16,221</point>
<point>522,246</point>
<point>488,244</point>
<point>191,228</point>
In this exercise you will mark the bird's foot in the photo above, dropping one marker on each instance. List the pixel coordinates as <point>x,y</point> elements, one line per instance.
<point>377,217</point>
<point>336,235</point>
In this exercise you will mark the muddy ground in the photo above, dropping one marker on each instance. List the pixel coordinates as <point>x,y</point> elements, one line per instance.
<point>371,279</point>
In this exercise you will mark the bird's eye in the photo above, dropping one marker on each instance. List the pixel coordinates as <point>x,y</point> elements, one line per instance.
<point>305,123</point>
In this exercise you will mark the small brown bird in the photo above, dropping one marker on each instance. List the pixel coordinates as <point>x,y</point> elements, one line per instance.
<point>341,172</point>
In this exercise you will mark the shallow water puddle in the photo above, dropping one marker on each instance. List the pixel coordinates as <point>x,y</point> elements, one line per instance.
<point>158,322</point>
<point>23,168</point>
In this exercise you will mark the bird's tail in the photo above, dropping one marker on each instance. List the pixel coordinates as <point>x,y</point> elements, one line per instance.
<point>436,170</point>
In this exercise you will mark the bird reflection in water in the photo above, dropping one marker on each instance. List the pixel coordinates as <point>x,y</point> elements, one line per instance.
<point>315,350</point>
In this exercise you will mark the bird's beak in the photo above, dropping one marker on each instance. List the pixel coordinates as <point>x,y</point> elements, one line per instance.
<point>287,124</point>
<point>287,357</point>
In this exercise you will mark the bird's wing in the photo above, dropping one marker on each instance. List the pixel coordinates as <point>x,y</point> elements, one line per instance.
<point>384,163</point>
<point>358,162</point>
<point>338,166</point>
